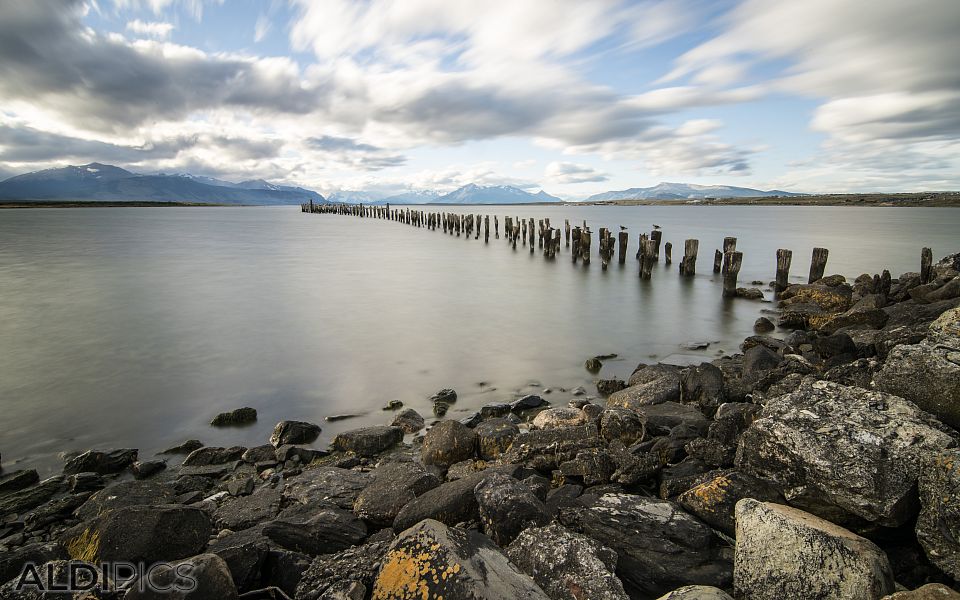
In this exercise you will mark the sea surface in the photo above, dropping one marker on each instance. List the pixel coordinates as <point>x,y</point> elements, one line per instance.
<point>133,327</point>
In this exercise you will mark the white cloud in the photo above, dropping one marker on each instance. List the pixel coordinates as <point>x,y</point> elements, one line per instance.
<point>567,172</point>
<point>262,28</point>
<point>154,29</point>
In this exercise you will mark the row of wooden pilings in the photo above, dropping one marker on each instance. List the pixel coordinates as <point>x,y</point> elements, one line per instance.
<point>541,234</point>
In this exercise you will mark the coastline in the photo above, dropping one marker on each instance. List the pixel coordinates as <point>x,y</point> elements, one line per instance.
<point>512,488</point>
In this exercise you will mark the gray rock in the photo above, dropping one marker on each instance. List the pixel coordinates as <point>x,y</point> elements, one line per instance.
<point>931,591</point>
<point>86,482</point>
<point>703,385</point>
<point>126,493</point>
<point>448,442</point>
<point>394,485</point>
<point>605,387</point>
<point>245,553</point>
<point>238,416</point>
<point>659,547</point>
<point>368,441</point>
<point>749,293</point>
<point>764,325</point>
<point>526,403</point>
<point>653,385</point>
<point>322,532</point>
<point>494,410</point>
<point>327,487</point>
<point>408,420</point>
<point>210,573</point>
<point>212,455</point>
<point>715,501</point>
<point>844,446</point>
<point>431,560</point>
<point>545,449</point>
<point>938,526</point>
<point>783,552</point>
<point>259,454</point>
<point>758,359</point>
<point>621,424</point>
<point>244,512</point>
<point>926,374</point>
<point>507,507</point>
<point>446,396</point>
<point>38,553</point>
<point>185,448</point>
<point>30,497</point>
<point>358,565</point>
<point>96,461</point>
<point>564,416</point>
<point>58,574</point>
<point>696,592</point>
<point>594,466</point>
<point>660,419</point>
<point>451,503</point>
<point>294,432</point>
<point>147,468</point>
<point>566,564</point>
<point>494,437</point>
<point>18,480</point>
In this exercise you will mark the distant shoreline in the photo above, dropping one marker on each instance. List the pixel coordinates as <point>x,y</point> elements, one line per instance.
<point>103,204</point>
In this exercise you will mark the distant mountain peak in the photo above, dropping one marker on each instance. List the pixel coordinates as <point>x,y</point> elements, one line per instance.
<point>668,190</point>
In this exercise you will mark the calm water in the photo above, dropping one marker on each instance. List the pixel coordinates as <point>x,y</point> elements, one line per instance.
<point>133,327</point>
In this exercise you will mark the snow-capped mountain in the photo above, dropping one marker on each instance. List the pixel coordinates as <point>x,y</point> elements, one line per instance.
<point>356,196</point>
<point>411,197</point>
<point>494,194</point>
<point>683,191</point>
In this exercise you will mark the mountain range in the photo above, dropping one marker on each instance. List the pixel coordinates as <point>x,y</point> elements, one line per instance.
<point>685,191</point>
<point>99,182</point>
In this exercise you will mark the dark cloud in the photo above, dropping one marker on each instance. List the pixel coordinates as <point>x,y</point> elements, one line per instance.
<point>355,154</point>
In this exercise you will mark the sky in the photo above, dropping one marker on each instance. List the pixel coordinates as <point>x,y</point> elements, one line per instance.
<point>571,96</point>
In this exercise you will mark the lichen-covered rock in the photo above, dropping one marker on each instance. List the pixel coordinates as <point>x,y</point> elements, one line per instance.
<point>938,526</point>
<point>714,501</point>
<point>947,324</point>
<point>931,591</point>
<point>209,572</point>
<point>545,449</point>
<point>358,565</point>
<point>660,419</point>
<point>844,446</point>
<point>431,560</point>
<point>316,532</point>
<point>294,432</point>
<point>621,424</point>
<point>653,385</point>
<point>564,416</point>
<point>703,385</point>
<point>394,485</point>
<point>827,298</point>
<point>494,437</point>
<point>448,442</point>
<point>594,466</point>
<point>507,507</point>
<point>368,441</point>
<point>696,592</point>
<point>327,487</point>
<point>926,374</point>
<point>566,564</point>
<point>409,420</point>
<point>783,552</point>
<point>659,547</point>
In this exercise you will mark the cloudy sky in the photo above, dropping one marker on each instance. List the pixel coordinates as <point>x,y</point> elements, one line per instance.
<point>573,96</point>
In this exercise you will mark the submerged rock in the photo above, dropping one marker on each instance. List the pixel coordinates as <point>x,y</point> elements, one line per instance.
<point>239,416</point>
<point>566,564</point>
<point>783,552</point>
<point>431,560</point>
<point>848,447</point>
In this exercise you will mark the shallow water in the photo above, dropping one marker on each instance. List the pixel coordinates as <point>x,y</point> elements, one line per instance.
<point>133,327</point>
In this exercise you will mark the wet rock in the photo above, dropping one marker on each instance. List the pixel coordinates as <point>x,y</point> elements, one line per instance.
<point>621,424</point>
<point>324,532</point>
<point>30,497</point>
<point>433,560</point>
<point>393,405</point>
<point>446,396</point>
<point>545,449</point>
<point>209,572</point>
<point>526,403</point>
<point>85,482</point>
<point>593,365</point>
<point>140,534</point>
<point>758,359</point>
<point>605,387</point>
<point>855,317</point>
<point>938,526</point>
<point>494,410</point>
<point>368,441</point>
<point>749,293</point>
<point>304,456</point>
<point>698,345</point>
<point>715,501</point>
<point>566,564</point>
<point>553,418</point>
<point>507,507</point>
<point>931,591</point>
<point>448,442</point>
<point>494,437</point>
<point>294,432</point>
<point>926,374</point>
<point>824,297</point>
<point>356,566</point>
<point>451,503</point>
<point>240,486</point>
<point>238,416</point>
<point>783,552</point>
<point>393,486</point>
<point>659,547</point>
<point>185,448</point>
<point>327,487</point>
<point>763,325</point>
<point>212,455</point>
<point>126,493</point>
<point>147,468</point>
<point>849,447</point>
<point>696,592</point>
<point>18,480</point>
<point>96,461</point>
<point>703,385</point>
<point>409,420</point>
<point>244,512</point>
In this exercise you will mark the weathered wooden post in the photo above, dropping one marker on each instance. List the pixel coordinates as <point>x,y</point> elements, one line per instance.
<point>717,260</point>
<point>486,229</point>
<point>648,249</point>
<point>556,241</point>
<point>926,265</point>
<point>575,253</point>
<point>496,227</point>
<point>818,264</point>
<point>784,257</point>
<point>729,244</point>
<point>731,268</point>
<point>532,234</point>
<point>688,265</point>
<point>623,238</point>
<point>585,246</point>
<point>656,235</point>
<point>668,253</point>
<point>566,230</point>
<point>603,248</point>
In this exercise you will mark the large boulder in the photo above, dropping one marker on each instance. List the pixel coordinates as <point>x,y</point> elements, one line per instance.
<point>783,552</point>
<point>621,424</point>
<point>294,432</point>
<point>237,416</point>
<point>316,532</point>
<point>938,526</point>
<point>843,446</point>
<point>564,416</point>
<point>758,359</point>
<point>652,385</point>
<point>927,374</point>
<point>236,513</point>
<point>327,487</point>
<point>126,493</point>
<point>494,437</point>
<point>431,560</point>
<point>507,507</point>
<point>96,461</point>
<point>141,534</point>
<point>448,442</point>
<point>714,501</point>
<point>931,591</point>
<point>451,503</point>
<point>566,564</point>
<point>394,485</point>
<point>659,546</point>
<point>210,578</point>
<point>368,441</point>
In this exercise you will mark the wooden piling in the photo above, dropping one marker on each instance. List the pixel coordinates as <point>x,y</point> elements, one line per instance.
<point>784,258</point>
<point>729,244</point>
<point>532,234</point>
<point>717,260</point>
<point>667,253</point>
<point>575,251</point>
<point>585,246</point>
<point>731,268</point>
<point>818,264</point>
<point>656,235</point>
<point>566,230</point>
<point>623,238</point>
<point>688,265</point>
<point>486,229</point>
<point>648,249</point>
<point>926,265</point>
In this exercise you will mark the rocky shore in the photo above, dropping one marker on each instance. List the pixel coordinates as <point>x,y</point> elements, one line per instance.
<point>822,465</point>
